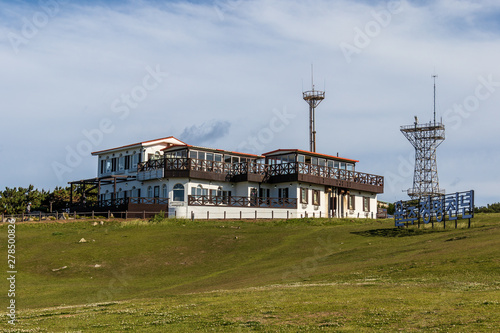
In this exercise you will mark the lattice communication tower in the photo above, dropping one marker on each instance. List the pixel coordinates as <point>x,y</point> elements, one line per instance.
<point>425,138</point>
<point>313,98</point>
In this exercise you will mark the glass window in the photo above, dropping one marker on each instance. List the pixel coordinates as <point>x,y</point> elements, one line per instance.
<point>157,192</point>
<point>351,202</point>
<point>210,156</point>
<point>336,165</point>
<point>235,159</point>
<point>350,167</point>
<point>322,162</point>
<point>193,190</point>
<point>301,158</point>
<point>164,191</point>
<point>316,197</point>
<point>201,155</point>
<point>330,164</point>
<point>135,161</point>
<point>121,163</point>
<point>227,159</point>
<point>314,160</point>
<point>178,192</point>
<point>199,190</point>
<point>303,195</point>
<point>218,157</point>
<point>193,154</point>
<point>150,192</point>
<point>108,166</point>
<point>366,204</point>
<point>342,165</point>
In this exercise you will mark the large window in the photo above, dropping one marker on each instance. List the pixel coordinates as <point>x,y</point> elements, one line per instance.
<point>150,192</point>
<point>164,191</point>
<point>135,161</point>
<point>178,192</point>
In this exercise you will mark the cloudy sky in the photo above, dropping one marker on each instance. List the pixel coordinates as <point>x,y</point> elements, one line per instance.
<point>84,76</point>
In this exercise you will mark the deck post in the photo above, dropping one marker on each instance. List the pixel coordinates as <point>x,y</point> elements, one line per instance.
<point>272,215</point>
<point>287,214</point>
<point>208,215</point>
<point>240,215</point>
<point>74,214</point>
<point>40,216</point>
<point>256,215</point>
<point>126,214</point>
<point>109,214</point>
<point>143,214</point>
<point>224,215</point>
<point>92,214</point>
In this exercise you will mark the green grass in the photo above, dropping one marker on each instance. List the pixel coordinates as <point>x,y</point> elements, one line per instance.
<point>275,276</point>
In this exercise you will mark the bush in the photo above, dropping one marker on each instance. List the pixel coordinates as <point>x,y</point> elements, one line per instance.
<point>158,218</point>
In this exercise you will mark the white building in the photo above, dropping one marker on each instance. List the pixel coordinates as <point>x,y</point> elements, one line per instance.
<point>202,182</point>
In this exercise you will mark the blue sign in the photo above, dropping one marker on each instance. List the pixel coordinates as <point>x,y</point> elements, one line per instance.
<point>449,207</point>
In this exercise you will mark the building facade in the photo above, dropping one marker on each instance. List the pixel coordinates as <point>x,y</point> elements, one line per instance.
<point>200,182</point>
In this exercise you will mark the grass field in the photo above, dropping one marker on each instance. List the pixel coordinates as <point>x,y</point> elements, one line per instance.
<point>273,276</point>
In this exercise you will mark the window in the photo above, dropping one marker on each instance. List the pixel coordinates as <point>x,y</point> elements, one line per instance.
<point>193,154</point>
<point>178,192</point>
<point>330,164</point>
<point>135,161</point>
<point>314,160</point>
<point>113,164</point>
<point>336,165</point>
<point>351,202</point>
<point>150,192</point>
<point>121,163</point>
<point>235,159</point>
<point>316,201</point>
<point>210,156</point>
<point>301,158</point>
<point>283,192</point>
<point>264,193</point>
<point>342,165</point>
<point>107,166</point>
<point>157,192</point>
<point>303,195</point>
<point>218,158</point>
<point>127,162</point>
<point>350,167</point>
<point>322,162</point>
<point>164,191</point>
<point>366,204</point>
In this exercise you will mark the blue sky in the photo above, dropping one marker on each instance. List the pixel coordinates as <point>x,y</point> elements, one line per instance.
<point>216,73</point>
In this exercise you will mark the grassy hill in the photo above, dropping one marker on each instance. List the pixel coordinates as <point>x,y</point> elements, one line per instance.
<point>296,275</point>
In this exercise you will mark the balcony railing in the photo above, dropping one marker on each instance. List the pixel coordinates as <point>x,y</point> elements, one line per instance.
<point>230,201</point>
<point>242,168</point>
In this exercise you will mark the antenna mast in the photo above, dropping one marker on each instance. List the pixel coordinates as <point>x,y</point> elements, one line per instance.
<point>434,76</point>
<point>313,98</point>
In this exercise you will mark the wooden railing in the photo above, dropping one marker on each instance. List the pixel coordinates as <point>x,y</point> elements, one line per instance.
<point>208,200</point>
<point>242,168</point>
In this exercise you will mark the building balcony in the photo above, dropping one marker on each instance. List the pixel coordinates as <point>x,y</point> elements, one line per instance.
<point>230,201</point>
<point>257,172</point>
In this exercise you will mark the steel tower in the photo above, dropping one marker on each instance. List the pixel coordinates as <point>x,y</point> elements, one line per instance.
<point>313,98</point>
<point>425,138</point>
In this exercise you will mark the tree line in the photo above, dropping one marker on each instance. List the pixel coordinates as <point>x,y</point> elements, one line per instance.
<point>19,200</point>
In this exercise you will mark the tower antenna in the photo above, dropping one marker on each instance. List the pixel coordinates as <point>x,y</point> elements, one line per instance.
<point>434,76</point>
<point>313,98</point>
<point>425,138</point>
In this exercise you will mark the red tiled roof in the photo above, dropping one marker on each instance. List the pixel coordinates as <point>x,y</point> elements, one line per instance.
<point>212,149</point>
<point>310,153</point>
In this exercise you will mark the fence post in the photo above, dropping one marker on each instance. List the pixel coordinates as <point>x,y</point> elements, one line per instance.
<point>469,224</point>
<point>2,217</point>
<point>40,216</point>
<point>319,214</point>
<point>109,214</point>
<point>272,215</point>
<point>175,214</point>
<point>208,215</point>
<point>126,214</point>
<point>74,214</point>
<point>224,215</point>
<point>314,215</point>
<point>92,214</point>
<point>22,216</point>
<point>57,215</point>
<point>287,214</point>
<point>240,215</point>
<point>143,214</point>
<point>256,215</point>
<point>456,222</point>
